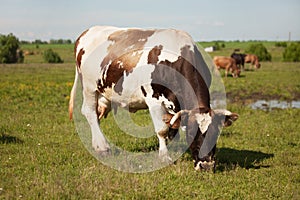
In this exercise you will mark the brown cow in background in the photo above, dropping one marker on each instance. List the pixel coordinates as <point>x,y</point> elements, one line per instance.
<point>253,59</point>
<point>227,63</point>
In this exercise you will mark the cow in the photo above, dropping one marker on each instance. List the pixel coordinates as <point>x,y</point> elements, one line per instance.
<point>253,59</point>
<point>239,59</point>
<point>228,64</point>
<point>157,69</point>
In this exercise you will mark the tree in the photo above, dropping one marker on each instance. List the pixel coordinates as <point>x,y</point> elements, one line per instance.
<point>280,44</point>
<point>292,53</point>
<point>260,51</point>
<point>9,49</point>
<point>52,57</point>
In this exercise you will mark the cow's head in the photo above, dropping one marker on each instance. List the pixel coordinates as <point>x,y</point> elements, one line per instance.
<point>236,71</point>
<point>202,131</point>
<point>257,65</point>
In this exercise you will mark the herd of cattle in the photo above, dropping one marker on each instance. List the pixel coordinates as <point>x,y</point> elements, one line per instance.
<point>161,70</point>
<point>235,63</point>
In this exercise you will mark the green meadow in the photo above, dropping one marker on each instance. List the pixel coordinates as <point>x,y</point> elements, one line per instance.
<point>42,156</point>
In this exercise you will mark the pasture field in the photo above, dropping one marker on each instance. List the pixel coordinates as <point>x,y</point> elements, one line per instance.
<point>242,46</point>
<point>66,52</point>
<point>42,157</point>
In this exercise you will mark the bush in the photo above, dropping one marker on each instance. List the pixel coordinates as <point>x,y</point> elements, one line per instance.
<point>280,44</point>
<point>52,57</point>
<point>9,49</point>
<point>292,53</point>
<point>260,51</point>
<point>20,56</point>
<point>217,46</point>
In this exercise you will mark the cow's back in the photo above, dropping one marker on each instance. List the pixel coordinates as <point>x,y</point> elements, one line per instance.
<point>222,61</point>
<point>250,58</point>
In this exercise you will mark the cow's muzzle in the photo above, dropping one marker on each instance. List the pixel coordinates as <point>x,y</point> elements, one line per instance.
<point>205,164</point>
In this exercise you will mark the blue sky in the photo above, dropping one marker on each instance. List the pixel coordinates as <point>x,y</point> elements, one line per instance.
<point>204,19</point>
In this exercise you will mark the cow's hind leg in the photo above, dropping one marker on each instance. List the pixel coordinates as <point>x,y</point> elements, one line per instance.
<point>89,107</point>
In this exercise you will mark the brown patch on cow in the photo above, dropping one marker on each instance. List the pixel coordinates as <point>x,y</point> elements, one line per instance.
<point>115,71</point>
<point>133,38</point>
<point>123,55</point>
<point>77,41</point>
<point>79,57</point>
<point>153,54</point>
<point>125,42</point>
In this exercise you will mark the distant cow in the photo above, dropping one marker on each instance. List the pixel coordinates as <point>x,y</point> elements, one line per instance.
<point>209,49</point>
<point>228,64</point>
<point>138,69</point>
<point>239,59</point>
<point>253,59</point>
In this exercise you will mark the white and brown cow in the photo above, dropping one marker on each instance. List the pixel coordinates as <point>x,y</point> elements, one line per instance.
<point>160,70</point>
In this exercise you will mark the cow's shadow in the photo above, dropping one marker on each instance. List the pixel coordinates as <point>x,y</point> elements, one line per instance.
<point>7,139</point>
<point>250,69</point>
<point>228,159</point>
<point>230,76</point>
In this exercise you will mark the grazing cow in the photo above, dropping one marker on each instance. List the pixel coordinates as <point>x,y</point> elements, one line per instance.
<point>253,59</point>
<point>160,70</point>
<point>228,64</point>
<point>239,59</point>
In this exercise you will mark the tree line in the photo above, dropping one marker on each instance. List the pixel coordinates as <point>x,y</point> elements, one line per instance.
<point>52,41</point>
<point>10,50</point>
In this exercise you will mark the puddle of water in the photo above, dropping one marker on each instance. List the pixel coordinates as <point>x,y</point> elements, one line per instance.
<point>274,104</point>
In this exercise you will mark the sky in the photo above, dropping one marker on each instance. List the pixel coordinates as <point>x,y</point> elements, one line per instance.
<point>205,20</point>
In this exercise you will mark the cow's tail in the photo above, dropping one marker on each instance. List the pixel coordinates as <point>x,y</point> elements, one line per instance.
<point>72,95</point>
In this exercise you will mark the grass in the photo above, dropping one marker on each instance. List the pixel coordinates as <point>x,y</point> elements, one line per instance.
<point>66,51</point>
<point>274,80</point>
<point>42,157</point>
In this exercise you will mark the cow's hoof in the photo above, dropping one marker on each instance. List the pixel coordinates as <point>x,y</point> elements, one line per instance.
<point>204,165</point>
<point>165,158</point>
<point>103,153</point>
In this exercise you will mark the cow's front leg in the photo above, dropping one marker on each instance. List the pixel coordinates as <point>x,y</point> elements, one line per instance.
<point>226,71</point>
<point>163,150</point>
<point>161,129</point>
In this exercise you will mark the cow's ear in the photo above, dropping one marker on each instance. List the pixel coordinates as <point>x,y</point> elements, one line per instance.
<point>230,118</point>
<point>226,115</point>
